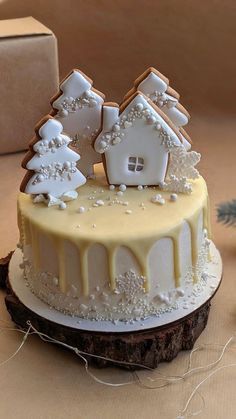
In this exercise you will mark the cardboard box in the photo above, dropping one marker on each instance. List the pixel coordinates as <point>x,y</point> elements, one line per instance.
<point>29,77</point>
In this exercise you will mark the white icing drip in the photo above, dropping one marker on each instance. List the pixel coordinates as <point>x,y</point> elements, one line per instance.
<point>128,301</point>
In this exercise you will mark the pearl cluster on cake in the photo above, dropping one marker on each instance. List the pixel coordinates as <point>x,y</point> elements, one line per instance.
<point>158,199</point>
<point>116,135</point>
<point>71,104</point>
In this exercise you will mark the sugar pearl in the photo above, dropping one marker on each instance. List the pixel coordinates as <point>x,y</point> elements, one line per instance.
<point>122,187</point>
<point>103,144</point>
<point>173,197</point>
<point>112,187</point>
<point>64,113</point>
<point>116,128</point>
<point>139,107</point>
<point>81,210</point>
<point>62,205</point>
<point>100,202</point>
<point>40,178</point>
<point>128,212</point>
<point>120,193</point>
<point>151,120</point>
<point>140,187</point>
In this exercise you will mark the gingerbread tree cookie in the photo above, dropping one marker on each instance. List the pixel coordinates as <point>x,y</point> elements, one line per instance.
<point>51,164</point>
<point>78,107</point>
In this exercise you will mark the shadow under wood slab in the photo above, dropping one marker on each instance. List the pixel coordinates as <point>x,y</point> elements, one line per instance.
<point>145,347</point>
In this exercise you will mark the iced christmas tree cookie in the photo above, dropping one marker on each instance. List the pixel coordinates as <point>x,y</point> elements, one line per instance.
<point>78,107</point>
<point>51,165</point>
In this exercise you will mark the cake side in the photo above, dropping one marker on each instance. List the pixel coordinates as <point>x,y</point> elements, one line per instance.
<point>115,255</point>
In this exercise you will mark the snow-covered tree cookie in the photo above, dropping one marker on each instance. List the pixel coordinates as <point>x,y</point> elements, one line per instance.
<point>52,175</point>
<point>78,107</point>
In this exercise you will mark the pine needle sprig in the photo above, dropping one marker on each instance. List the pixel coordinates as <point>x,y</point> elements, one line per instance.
<point>226,213</point>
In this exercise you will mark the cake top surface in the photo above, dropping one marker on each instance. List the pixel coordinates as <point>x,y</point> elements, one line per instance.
<point>100,212</point>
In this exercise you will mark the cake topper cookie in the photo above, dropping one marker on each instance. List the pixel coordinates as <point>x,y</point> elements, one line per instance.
<point>156,87</point>
<point>78,107</point>
<point>136,140</point>
<point>51,165</point>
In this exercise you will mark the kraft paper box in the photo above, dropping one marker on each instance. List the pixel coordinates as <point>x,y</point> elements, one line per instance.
<point>29,78</point>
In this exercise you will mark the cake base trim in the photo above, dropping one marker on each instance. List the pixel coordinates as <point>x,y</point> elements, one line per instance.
<point>30,301</point>
<point>146,348</point>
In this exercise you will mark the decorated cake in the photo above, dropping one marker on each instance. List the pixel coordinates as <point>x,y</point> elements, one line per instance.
<point>113,214</point>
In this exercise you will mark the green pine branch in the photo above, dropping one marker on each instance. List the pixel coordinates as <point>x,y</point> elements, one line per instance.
<point>226,213</point>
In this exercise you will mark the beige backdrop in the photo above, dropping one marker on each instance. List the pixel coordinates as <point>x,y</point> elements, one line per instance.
<point>192,42</point>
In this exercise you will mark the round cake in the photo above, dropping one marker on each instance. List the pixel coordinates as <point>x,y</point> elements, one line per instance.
<point>113,254</point>
<point>129,239</point>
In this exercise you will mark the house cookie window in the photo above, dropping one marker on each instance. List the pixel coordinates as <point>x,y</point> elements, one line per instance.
<point>135,164</point>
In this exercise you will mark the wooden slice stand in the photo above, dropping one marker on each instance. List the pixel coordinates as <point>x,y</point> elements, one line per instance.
<point>146,347</point>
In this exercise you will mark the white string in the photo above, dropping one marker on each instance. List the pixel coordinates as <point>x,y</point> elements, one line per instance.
<point>168,380</point>
<point>197,388</point>
<point>18,349</point>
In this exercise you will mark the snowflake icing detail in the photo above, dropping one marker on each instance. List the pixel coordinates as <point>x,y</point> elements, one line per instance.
<point>178,185</point>
<point>182,163</point>
<point>130,285</point>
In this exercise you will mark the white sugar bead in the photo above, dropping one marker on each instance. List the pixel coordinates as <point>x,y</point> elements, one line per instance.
<point>127,124</point>
<point>139,107</point>
<point>116,128</point>
<point>67,164</point>
<point>116,140</point>
<point>120,193</point>
<point>103,144</point>
<point>122,187</point>
<point>140,187</point>
<point>62,205</point>
<point>151,120</point>
<point>92,103</point>
<point>40,178</point>
<point>81,210</point>
<point>173,197</point>
<point>112,187</point>
<point>64,113</point>
<point>128,212</point>
<point>100,202</point>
